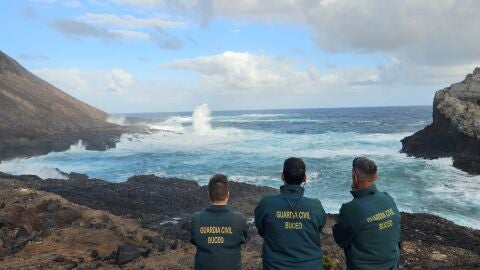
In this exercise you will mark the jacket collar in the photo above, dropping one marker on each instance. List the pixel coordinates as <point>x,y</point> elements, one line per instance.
<point>287,189</point>
<point>364,192</point>
<point>218,208</point>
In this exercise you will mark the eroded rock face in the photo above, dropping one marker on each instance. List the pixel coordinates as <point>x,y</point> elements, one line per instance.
<point>461,104</point>
<point>455,131</point>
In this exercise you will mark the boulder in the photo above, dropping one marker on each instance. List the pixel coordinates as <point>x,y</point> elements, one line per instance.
<point>127,253</point>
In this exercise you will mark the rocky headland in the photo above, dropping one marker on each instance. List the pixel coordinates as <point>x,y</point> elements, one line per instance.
<point>455,130</point>
<point>38,118</point>
<point>143,223</point>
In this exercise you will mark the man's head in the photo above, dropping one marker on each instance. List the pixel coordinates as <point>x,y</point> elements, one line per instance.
<point>364,172</point>
<point>218,189</point>
<point>294,171</point>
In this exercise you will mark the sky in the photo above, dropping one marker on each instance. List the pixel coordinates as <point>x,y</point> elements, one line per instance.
<point>126,56</point>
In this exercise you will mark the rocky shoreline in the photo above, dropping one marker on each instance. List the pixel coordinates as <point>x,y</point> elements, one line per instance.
<point>455,130</point>
<point>35,229</point>
<point>95,139</point>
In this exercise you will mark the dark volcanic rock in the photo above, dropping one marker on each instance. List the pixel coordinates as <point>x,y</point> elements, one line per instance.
<point>38,118</point>
<point>435,230</point>
<point>127,253</point>
<point>428,241</point>
<point>455,131</point>
<point>148,198</point>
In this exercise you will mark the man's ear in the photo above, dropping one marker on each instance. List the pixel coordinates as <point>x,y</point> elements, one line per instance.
<point>283,177</point>
<point>354,178</point>
<point>305,178</point>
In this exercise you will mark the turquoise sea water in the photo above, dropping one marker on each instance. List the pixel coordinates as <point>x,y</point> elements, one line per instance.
<point>250,146</point>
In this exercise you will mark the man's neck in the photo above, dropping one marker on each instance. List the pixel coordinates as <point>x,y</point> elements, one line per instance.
<point>219,203</point>
<point>364,185</point>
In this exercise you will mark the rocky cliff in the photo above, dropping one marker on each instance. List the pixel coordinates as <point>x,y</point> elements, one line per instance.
<point>37,118</point>
<point>455,131</point>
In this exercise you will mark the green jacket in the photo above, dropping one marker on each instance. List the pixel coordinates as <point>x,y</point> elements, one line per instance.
<point>290,225</point>
<point>218,233</point>
<point>368,229</point>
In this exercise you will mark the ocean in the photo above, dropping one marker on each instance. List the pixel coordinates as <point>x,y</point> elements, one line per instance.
<point>250,147</point>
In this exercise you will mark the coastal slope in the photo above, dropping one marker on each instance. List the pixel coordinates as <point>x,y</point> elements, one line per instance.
<point>455,131</point>
<point>37,118</point>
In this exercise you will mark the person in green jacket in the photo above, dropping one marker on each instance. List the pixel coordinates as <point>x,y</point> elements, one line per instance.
<point>291,223</point>
<point>218,232</point>
<point>368,227</point>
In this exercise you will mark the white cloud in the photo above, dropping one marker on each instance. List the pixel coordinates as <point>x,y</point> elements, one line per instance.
<point>73,4</point>
<point>72,28</point>
<point>116,90</point>
<point>66,3</point>
<point>247,72</point>
<point>130,21</point>
<point>428,32</point>
<point>122,27</point>
<point>416,74</point>
<point>98,81</point>
<point>130,35</point>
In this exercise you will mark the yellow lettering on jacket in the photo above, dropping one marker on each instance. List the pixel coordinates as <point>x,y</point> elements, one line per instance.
<point>216,230</point>
<point>292,215</point>
<point>381,215</point>
<point>215,240</point>
<point>293,225</point>
<point>385,225</point>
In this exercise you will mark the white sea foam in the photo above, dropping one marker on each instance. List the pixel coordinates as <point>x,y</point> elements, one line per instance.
<point>260,115</point>
<point>381,137</point>
<point>79,146</point>
<point>201,118</point>
<point>200,122</point>
<point>118,120</point>
<point>174,124</point>
<point>42,170</point>
<point>288,120</point>
<point>255,179</point>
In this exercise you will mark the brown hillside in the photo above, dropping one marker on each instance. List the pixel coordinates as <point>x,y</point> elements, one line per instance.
<point>27,103</point>
<point>37,118</point>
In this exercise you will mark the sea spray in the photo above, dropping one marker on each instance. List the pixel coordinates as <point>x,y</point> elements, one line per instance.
<point>201,118</point>
<point>117,120</point>
<point>79,146</point>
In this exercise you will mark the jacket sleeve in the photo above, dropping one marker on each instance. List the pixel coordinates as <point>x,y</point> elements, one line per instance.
<point>320,212</point>
<point>260,214</point>
<point>399,217</point>
<point>244,228</point>
<point>193,223</point>
<point>347,225</point>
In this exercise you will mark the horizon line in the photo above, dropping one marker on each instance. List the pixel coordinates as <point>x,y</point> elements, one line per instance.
<point>272,109</point>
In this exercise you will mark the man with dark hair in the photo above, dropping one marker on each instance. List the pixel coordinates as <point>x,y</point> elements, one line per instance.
<point>218,232</point>
<point>290,223</point>
<point>368,227</point>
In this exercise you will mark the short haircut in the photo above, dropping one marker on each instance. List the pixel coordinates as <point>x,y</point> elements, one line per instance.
<point>218,187</point>
<point>294,171</point>
<point>364,167</point>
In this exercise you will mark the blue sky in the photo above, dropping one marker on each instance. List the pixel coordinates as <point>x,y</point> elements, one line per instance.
<point>156,55</point>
